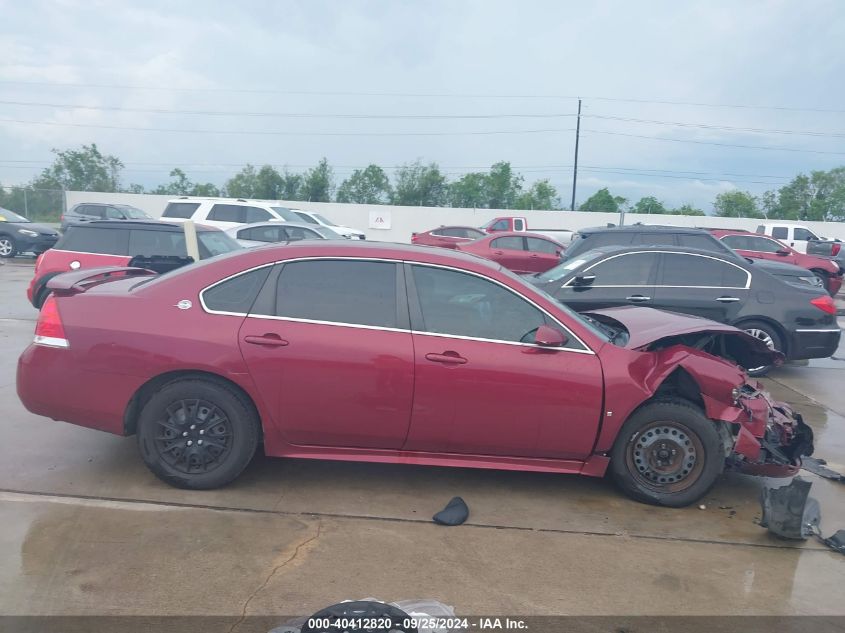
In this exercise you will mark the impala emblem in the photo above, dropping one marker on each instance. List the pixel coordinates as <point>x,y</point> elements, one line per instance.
<point>184,304</point>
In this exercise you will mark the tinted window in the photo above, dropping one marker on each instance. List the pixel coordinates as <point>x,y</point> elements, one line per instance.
<point>803,234</point>
<point>213,243</point>
<point>501,225</point>
<point>286,214</point>
<point>740,242</point>
<point>227,213</point>
<point>296,233</point>
<point>695,270</point>
<point>236,294</point>
<point>633,269</point>
<point>762,245</point>
<point>780,233</point>
<point>451,232</point>
<point>114,214</point>
<point>90,210</point>
<point>254,214</point>
<point>509,243</point>
<point>339,291</point>
<point>157,243</point>
<point>657,239</point>
<point>590,241</point>
<point>542,246</point>
<point>262,234</point>
<point>83,239</point>
<point>180,210</point>
<point>704,242</point>
<point>457,303</point>
<point>518,224</point>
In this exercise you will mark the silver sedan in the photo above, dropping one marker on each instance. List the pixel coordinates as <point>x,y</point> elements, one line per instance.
<point>262,233</point>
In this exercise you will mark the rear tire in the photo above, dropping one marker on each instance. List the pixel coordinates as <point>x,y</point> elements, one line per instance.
<point>8,247</point>
<point>766,333</point>
<point>667,453</point>
<point>825,279</point>
<point>197,433</point>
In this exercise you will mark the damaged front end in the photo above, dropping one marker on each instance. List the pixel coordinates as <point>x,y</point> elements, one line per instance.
<point>771,438</point>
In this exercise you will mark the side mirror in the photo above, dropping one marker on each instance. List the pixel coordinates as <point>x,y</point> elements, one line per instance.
<point>782,253</point>
<point>585,280</point>
<point>549,337</point>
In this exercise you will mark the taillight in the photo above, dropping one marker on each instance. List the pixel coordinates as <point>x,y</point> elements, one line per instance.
<point>413,238</point>
<point>835,248</point>
<point>825,304</point>
<point>49,330</point>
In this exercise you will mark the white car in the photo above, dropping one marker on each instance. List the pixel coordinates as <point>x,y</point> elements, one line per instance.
<point>226,213</point>
<point>316,218</point>
<point>263,233</point>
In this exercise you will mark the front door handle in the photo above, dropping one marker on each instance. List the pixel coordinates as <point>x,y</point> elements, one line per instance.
<point>267,340</point>
<point>727,299</point>
<point>447,358</point>
<point>638,298</point>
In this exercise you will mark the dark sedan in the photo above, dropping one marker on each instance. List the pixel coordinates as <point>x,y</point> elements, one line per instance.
<point>19,235</point>
<point>796,319</point>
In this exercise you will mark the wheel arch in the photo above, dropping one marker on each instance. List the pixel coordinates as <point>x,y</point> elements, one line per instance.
<point>153,385</point>
<point>784,336</point>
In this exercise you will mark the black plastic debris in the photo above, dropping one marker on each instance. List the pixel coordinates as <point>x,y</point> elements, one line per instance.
<point>455,513</point>
<point>836,542</point>
<point>789,512</point>
<point>819,467</point>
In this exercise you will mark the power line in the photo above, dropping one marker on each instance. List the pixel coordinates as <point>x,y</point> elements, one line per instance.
<point>682,140</point>
<point>709,126</point>
<point>437,95</point>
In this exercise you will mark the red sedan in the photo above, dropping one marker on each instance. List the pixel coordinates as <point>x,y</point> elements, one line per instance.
<point>758,246</point>
<point>523,253</point>
<point>390,353</point>
<point>447,236</point>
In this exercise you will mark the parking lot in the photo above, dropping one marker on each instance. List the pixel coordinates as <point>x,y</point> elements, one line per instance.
<point>87,529</point>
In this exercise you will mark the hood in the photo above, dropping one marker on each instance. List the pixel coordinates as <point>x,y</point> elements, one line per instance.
<point>41,229</point>
<point>648,328</point>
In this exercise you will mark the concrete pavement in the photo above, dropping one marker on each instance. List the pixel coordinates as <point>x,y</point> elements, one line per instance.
<point>85,529</point>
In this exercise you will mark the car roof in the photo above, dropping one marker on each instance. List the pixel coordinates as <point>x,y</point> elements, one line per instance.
<point>103,204</point>
<point>235,201</point>
<point>296,225</point>
<point>643,228</point>
<point>151,225</point>
<point>455,226</point>
<point>617,249</point>
<point>520,234</point>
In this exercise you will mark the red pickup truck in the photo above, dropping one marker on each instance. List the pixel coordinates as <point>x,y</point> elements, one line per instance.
<point>517,224</point>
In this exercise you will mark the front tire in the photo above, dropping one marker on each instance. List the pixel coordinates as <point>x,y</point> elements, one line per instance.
<point>766,333</point>
<point>8,247</point>
<point>667,453</point>
<point>197,434</point>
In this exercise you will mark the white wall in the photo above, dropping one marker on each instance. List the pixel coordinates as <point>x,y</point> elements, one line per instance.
<point>405,220</point>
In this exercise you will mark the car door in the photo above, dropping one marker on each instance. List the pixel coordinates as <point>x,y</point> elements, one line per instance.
<point>482,387</point>
<point>623,279</point>
<point>329,348</point>
<point>701,285</point>
<point>509,251</point>
<point>543,254</point>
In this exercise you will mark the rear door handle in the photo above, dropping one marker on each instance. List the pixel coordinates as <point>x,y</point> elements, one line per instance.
<point>267,340</point>
<point>638,298</point>
<point>727,299</point>
<point>447,358</point>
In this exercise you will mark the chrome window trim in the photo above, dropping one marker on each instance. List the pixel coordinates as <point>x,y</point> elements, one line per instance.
<point>586,348</point>
<point>820,330</point>
<point>656,285</point>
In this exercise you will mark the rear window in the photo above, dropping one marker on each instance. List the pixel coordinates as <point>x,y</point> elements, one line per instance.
<point>101,241</point>
<point>704,242</point>
<point>590,241</point>
<point>254,214</point>
<point>157,243</point>
<point>184,210</point>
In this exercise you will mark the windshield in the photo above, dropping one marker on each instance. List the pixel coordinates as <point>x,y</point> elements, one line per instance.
<point>590,324</point>
<point>324,220</point>
<point>327,233</point>
<point>286,214</point>
<point>135,213</point>
<point>215,243</point>
<point>10,216</point>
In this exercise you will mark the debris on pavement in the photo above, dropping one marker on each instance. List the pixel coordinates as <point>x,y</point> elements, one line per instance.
<point>819,467</point>
<point>455,513</point>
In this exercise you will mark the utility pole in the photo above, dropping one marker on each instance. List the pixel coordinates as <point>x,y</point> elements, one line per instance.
<point>575,170</point>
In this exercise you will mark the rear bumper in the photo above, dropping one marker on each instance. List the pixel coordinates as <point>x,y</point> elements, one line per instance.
<point>49,383</point>
<point>834,283</point>
<point>814,342</point>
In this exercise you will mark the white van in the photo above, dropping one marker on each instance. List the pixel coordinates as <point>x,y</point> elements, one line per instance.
<point>225,213</point>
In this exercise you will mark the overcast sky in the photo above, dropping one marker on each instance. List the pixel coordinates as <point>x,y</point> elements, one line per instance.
<point>444,60</point>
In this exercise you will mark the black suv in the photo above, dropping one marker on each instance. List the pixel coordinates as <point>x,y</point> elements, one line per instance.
<point>93,211</point>
<point>19,235</point>
<point>685,237</point>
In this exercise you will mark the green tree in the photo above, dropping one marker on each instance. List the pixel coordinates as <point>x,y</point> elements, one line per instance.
<point>503,186</point>
<point>470,191</point>
<point>181,185</point>
<point>736,204</point>
<point>541,195</point>
<point>318,183</point>
<point>85,169</point>
<point>649,204</point>
<point>243,184</point>
<point>420,185</point>
<point>688,209</point>
<point>365,186</point>
<point>268,183</point>
<point>602,200</point>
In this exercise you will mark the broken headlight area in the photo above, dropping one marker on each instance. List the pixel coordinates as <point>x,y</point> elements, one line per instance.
<point>771,438</point>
